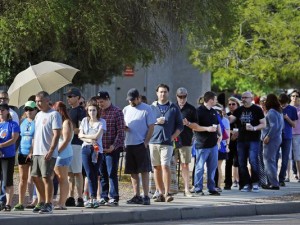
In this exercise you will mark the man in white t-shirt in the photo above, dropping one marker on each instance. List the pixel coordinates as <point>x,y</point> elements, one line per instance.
<point>139,119</point>
<point>48,125</point>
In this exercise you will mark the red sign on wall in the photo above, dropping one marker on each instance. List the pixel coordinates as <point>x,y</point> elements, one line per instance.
<point>129,72</point>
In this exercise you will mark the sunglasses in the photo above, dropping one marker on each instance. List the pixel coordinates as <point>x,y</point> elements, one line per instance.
<point>28,109</point>
<point>230,104</point>
<point>3,99</point>
<point>181,96</point>
<point>70,96</point>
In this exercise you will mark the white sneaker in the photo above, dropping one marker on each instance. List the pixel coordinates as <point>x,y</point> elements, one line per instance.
<point>255,188</point>
<point>246,188</point>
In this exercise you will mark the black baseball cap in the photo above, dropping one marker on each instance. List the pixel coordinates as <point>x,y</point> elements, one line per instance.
<point>103,94</point>
<point>132,94</point>
<point>73,92</point>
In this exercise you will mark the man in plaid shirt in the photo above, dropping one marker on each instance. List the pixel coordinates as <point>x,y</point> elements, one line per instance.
<point>113,143</point>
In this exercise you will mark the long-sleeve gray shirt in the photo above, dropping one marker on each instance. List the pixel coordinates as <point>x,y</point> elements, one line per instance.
<point>275,125</point>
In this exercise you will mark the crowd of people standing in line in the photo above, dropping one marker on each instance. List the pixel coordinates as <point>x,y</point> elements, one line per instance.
<point>86,141</point>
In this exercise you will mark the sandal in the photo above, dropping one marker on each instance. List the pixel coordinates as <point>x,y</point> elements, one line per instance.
<point>60,208</point>
<point>7,208</point>
<point>30,206</point>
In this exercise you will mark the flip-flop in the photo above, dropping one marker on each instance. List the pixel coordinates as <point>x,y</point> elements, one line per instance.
<point>60,208</point>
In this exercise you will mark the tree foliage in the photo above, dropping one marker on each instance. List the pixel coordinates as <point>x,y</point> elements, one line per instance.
<point>99,37</point>
<point>263,52</point>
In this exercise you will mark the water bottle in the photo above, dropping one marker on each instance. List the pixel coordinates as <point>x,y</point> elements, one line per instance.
<point>95,153</point>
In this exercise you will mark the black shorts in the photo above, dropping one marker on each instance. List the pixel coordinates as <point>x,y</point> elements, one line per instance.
<point>222,155</point>
<point>7,167</point>
<point>22,159</point>
<point>137,159</point>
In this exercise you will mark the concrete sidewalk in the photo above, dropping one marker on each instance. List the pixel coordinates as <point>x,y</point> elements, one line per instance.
<point>230,203</point>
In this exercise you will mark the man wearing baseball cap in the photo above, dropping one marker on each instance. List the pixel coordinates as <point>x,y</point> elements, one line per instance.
<point>184,149</point>
<point>77,113</point>
<point>139,119</point>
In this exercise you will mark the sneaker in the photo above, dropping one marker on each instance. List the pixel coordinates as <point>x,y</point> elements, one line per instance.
<point>155,195</point>
<point>80,202</point>
<point>198,193</point>
<point>89,204</point>
<point>169,197</point>
<point>160,198</point>
<point>246,188</point>
<point>218,189</point>
<point>102,202</point>
<point>282,184</point>
<point>255,188</point>
<point>19,207</point>
<point>70,202</point>
<point>146,200</point>
<point>38,207</point>
<point>192,190</point>
<point>112,202</point>
<point>235,183</point>
<point>96,204</point>
<point>46,209</point>
<point>188,194</point>
<point>135,200</point>
<point>215,193</point>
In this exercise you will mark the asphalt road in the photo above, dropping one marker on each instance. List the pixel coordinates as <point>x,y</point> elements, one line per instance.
<point>286,219</point>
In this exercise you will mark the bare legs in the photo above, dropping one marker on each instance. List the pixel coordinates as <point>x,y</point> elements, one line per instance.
<point>62,174</point>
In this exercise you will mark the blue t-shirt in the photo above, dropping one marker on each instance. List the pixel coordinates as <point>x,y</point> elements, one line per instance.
<point>27,133</point>
<point>6,131</point>
<point>291,111</point>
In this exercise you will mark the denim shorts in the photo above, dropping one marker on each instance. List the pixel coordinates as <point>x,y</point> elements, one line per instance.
<point>63,162</point>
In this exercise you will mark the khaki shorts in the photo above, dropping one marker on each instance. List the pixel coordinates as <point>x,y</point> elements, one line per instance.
<point>41,167</point>
<point>160,154</point>
<point>76,163</point>
<point>185,153</point>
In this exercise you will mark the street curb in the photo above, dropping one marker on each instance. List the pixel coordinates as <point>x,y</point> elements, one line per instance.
<point>152,215</point>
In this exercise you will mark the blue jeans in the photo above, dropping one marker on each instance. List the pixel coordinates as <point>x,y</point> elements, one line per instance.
<point>91,169</point>
<point>210,157</point>
<point>286,146</point>
<point>248,149</point>
<point>109,175</point>
<point>270,160</point>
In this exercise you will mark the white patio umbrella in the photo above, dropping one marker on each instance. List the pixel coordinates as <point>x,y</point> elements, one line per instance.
<point>46,76</point>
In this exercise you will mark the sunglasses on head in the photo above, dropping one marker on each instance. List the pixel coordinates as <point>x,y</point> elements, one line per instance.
<point>181,96</point>
<point>28,109</point>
